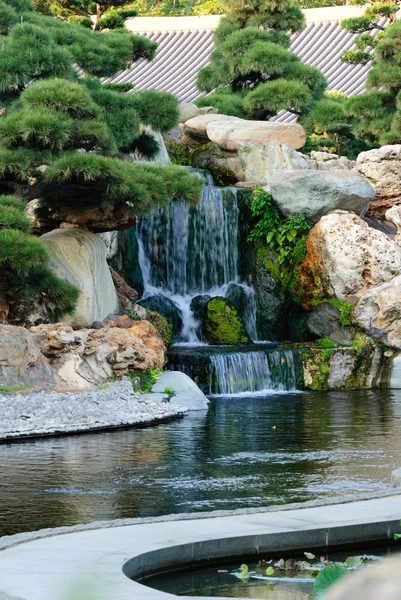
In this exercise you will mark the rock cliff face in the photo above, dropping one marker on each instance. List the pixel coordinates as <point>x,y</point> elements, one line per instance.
<point>345,257</point>
<point>79,257</point>
<point>21,361</point>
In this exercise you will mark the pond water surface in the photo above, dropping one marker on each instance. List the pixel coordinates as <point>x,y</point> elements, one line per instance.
<point>245,452</point>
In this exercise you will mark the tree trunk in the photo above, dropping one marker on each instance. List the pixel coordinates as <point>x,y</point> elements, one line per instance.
<point>99,14</point>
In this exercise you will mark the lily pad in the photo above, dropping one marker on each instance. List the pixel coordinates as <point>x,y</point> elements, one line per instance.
<point>327,577</point>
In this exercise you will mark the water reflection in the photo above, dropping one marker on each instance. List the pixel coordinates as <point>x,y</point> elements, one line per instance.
<point>243,453</point>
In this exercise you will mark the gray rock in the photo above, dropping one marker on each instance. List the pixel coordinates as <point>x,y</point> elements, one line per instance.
<point>270,302</point>
<point>79,257</point>
<point>186,392</point>
<point>191,400</point>
<point>324,321</point>
<point>21,361</point>
<point>315,193</point>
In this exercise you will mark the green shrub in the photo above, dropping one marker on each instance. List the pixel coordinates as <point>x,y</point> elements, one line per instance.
<point>146,379</point>
<point>284,237</point>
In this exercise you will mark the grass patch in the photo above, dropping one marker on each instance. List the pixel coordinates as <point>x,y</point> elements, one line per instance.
<point>12,389</point>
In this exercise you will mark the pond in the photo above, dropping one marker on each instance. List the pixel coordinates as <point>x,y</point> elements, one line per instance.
<point>287,584</point>
<point>245,452</point>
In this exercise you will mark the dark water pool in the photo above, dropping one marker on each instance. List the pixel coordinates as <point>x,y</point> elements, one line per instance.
<point>219,581</point>
<point>245,452</point>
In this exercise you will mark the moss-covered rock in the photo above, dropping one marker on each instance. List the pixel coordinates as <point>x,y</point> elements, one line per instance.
<point>223,325</point>
<point>330,367</point>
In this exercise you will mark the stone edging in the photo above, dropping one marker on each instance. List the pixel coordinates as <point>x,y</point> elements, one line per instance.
<point>22,538</point>
<point>134,550</point>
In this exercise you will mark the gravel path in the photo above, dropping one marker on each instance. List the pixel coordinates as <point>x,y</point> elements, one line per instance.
<point>41,413</point>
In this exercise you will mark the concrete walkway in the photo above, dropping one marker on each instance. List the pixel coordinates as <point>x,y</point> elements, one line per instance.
<point>87,564</point>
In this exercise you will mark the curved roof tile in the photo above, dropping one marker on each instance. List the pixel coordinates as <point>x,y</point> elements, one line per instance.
<point>185,44</point>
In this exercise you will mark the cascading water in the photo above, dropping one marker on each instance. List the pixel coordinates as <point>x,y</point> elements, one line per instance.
<point>252,372</point>
<point>184,252</point>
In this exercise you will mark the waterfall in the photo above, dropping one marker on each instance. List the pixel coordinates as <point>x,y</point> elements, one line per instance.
<point>250,372</point>
<point>184,252</point>
<point>192,251</point>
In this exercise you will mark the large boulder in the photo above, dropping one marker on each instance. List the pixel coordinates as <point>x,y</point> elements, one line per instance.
<point>382,167</point>
<point>229,134</point>
<point>197,126</point>
<point>344,258</point>
<point>261,161</point>
<point>88,357</point>
<point>378,312</point>
<point>182,390</point>
<point>79,257</point>
<point>21,361</point>
<point>315,193</point>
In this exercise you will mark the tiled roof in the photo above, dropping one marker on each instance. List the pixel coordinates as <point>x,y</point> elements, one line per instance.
<point>186,43</point>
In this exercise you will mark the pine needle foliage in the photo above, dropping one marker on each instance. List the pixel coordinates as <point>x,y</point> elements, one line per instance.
<point>65,139</point>
<point>24,271</point>
<point>377,113</point>
<point>252,74</point>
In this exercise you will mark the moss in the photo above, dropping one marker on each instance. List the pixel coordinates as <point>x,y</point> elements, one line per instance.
<point>345,309</point>
<point>223,325</point>
<point>317,366</point>
<point>359,357</point>
<point>162,326</point>
<point>178,153</point>
<point>325,343</point>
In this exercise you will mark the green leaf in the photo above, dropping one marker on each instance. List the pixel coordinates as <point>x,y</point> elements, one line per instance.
<point>269,571</point>
<point>397,536</point>
<point>309,555</point>
<point>327,577</point>
<point>354,562</point>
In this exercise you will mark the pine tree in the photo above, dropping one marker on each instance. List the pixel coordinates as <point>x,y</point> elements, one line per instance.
<point>104,14</point>
<point>64,137</point>
<point>377,113</point>
<point>370,21</point>
<point>252,73</point>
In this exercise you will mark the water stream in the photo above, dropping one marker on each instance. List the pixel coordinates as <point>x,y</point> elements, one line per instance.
<point>186,252</point>
<point>237,373</point>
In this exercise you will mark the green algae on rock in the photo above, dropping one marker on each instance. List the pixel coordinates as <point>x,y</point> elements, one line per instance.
<point>223,325</point>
